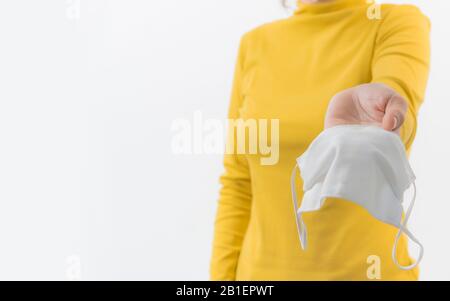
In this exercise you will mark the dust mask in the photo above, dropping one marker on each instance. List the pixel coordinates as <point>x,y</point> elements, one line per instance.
<point>366,165</point>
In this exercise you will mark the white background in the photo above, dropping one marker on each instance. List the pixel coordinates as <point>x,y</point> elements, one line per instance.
<point>88,93</point>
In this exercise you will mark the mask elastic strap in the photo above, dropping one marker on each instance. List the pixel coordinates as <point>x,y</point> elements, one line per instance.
<point>404,229</point>
<point>298,215</point>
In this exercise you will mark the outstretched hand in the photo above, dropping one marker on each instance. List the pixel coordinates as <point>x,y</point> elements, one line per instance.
<point>371,104</point>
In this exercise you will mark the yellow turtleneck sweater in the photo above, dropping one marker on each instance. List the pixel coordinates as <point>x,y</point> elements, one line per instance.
<point>289,70</point>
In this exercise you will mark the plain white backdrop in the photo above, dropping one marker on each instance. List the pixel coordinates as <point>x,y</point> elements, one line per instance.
<point>89,186</point>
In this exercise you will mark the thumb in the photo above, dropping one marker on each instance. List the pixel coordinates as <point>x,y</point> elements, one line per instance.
<point>394,115</point>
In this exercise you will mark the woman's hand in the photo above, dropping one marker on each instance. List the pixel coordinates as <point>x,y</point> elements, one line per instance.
<point>373,104</point>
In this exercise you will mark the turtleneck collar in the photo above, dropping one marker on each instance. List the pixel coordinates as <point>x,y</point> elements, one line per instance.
<point>328,6</point>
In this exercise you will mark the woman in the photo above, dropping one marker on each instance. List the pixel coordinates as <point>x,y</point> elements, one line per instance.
<point>364,68</point>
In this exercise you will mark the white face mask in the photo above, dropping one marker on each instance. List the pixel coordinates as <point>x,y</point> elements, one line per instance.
<point>362,164</point>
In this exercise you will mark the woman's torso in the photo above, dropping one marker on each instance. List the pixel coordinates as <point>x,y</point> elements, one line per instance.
<point>292,69</point>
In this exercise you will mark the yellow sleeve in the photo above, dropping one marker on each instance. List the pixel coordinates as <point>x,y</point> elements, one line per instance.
<point>402,58</point>
<point>235,196</point>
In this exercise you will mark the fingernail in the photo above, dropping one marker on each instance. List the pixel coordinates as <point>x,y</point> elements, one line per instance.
<point>395,123</point>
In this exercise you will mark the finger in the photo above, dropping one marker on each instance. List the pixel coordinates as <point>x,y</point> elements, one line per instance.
<point>394,113</point>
